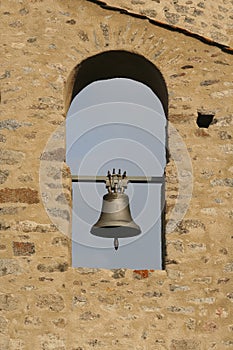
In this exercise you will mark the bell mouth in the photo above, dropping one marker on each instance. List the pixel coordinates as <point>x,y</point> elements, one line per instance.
<point>116,231</point>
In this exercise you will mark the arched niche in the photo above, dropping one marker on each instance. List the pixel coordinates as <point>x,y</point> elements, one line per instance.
<point>119,64</point>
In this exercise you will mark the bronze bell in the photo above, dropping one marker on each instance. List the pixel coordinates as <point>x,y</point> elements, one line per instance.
<point>115,220</point>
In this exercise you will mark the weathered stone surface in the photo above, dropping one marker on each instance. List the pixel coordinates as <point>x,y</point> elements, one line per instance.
<point>221,94</point>
<point>47,103</point>
<point>23,248</point>
<point>141,274</point>
<point>153,294</point>
<point>228,267</point>
<point>56,155</point>
<point>222,182</point>
<point>177,245</point>
<point>181,309</point>
<point>176,288</point>
<point>196,246</point>
<point>10,210</point>
<point>55,267</point>
<point>88,315</point>
<point>32,226</point>
<point>79,300</point>
<point>190,324</point>
<point>25,178</point>
<point>61,213</point>
<point>118,273</point>
<point>186,306</point>
<point>60,241</point>
<point>185,226</point>
<point>224,135</point>
<point>202,300</point>
<point>3,176</point>
<point>10,157</point>
<point>209,82</point>
<point>9,267</point>
<point>6,74</point>
<point>50,341</point>
<point>12,124</point>
<point>223,280</point>
<point>53,172</point>
<point>62,198</point>
<point>203,280</point>
<point>22,195</point>
<point>230,296</point>
<point>149,12</point>
<point>2,138</point>
<point>195,16</point>
<point>32,321</point>
<point>60,322</point>
<point>3,325</point>
<point>185,344</point>
<point>4,226</point>
<point>51,302</point>
<point>83,35</point>
<point>8,302</point>
<point>87,271</point>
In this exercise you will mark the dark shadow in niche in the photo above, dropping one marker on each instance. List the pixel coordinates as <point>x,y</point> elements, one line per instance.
<point>204,120</point>
<point>121,64</point>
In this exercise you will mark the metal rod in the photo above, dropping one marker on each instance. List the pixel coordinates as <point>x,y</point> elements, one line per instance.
<point>132,179</point>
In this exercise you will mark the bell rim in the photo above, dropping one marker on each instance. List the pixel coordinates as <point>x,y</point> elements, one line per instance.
<point>109,231</point>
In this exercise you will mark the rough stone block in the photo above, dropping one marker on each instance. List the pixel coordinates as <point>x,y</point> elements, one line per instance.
<point>60,322</point>
<point>61,213</point>
<point>10,210</point>
<point>11,157</point>
<point>3,176</point>
<point>9,267</point>
<point>185,344</point>
<point>12,124</point>
<point>3,325</point>
<point>141,274</point>
<point>52,342</point>
<point>32,321</point>
<point>60,241</point>
<point>181,309</point>
<point>88,315</point>
<point>8,302</point>
<point>55,267</point>
<point>55,155</point>
<point>51,302</point>
<point>21,195</point>
<point>23,248</point>
<point>32,226</point>
<point>228,267</point>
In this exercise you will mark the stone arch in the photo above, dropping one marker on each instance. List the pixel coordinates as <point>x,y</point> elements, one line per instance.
<point>117,64</point>
<point>121,64</point>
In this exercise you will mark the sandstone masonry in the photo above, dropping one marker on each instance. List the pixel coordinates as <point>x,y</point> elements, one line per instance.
<point>45,304</point>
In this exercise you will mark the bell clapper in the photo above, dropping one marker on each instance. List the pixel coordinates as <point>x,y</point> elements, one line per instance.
<point>116,243</point>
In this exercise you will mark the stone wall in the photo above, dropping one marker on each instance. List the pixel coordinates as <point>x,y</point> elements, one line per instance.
<point>209,19</point>
<point>44,302</point>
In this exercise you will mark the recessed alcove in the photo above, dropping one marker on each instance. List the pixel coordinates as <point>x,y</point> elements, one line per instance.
<point>139,90</point>
<point>204,120</point>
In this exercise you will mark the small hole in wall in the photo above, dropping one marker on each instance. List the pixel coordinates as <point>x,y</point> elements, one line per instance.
<point>204,120</point>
